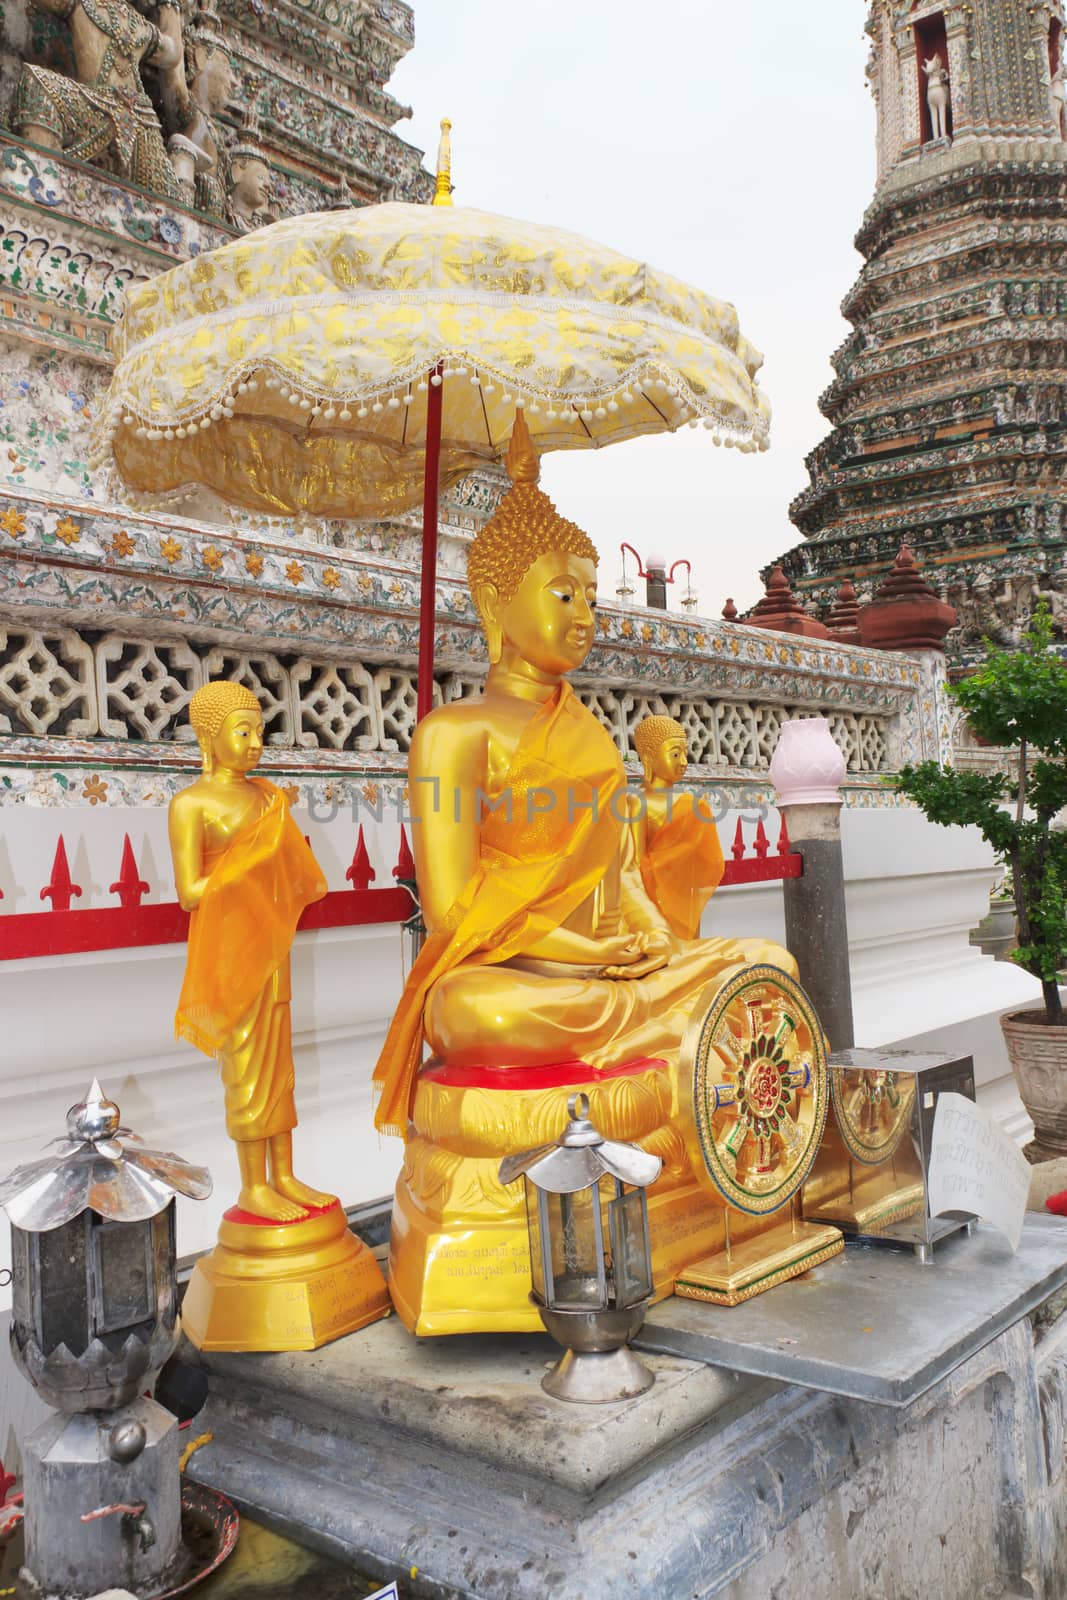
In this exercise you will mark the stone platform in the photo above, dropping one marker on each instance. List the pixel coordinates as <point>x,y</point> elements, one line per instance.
<point>443,1464</point>
<point>875,1324</point>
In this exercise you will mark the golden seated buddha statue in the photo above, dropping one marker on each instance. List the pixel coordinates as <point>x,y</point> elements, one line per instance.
<point>546,966</point>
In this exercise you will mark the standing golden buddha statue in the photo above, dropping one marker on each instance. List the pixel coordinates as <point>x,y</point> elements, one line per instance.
<point>286,1274</point>
<point>547,966</point>
<point>676,839</point>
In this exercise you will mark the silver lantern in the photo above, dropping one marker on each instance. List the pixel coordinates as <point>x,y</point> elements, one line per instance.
<point>590,1260</point>
<point>94,1317</point>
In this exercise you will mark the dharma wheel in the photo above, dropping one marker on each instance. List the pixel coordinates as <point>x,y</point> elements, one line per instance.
<point>754,1069</point>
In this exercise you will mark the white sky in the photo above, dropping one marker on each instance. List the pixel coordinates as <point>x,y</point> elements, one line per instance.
<point>730,145</point>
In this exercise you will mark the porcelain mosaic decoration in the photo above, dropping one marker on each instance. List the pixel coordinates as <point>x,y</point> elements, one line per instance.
<point>949,427</point>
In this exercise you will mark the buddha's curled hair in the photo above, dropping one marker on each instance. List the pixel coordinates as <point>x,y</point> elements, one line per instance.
<point>524,527</point>
<point>652,732</point>
<point>212,704</point>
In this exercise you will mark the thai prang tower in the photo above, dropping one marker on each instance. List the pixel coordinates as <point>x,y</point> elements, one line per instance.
<point>948,406</point>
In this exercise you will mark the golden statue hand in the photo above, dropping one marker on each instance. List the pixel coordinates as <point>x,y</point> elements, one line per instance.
<point>630,955</point>
<point>636,969</point>
<point>660,942</point>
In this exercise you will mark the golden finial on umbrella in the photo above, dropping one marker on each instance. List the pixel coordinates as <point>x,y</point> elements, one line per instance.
<point>442,195</point>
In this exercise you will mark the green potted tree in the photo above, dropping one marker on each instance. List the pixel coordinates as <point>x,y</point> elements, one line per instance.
<point>1017,700</point>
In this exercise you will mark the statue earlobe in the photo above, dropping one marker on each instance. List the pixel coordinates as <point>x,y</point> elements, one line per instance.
<point>486,599</point>
<point>207,755</point>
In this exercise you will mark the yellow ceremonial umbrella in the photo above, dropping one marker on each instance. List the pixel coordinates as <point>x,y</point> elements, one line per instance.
<point>346,363</point>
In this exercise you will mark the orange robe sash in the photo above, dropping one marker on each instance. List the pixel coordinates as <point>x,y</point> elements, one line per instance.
<point>541,857</point>
<point>683,865</point>
<point>241,931</point>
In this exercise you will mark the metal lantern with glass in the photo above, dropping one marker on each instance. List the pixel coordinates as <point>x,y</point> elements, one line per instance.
<point>94,1317</point>
<point>590,1259</point>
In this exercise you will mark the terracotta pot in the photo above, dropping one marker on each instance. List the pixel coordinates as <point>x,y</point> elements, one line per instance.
<point>1038,1056</point>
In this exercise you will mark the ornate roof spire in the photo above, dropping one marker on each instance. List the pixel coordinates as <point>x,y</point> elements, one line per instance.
<point>843,621</point>
<point>905,613</point>
<point>781,610</point>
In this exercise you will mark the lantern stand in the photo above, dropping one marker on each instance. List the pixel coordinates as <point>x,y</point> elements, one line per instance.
<point>590,1259</point>
<point>94,1317</point>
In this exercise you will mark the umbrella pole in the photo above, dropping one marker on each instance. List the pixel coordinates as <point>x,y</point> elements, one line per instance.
<point>428,591</point>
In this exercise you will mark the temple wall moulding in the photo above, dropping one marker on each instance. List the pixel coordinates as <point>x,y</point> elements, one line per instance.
<point>99,778</point>
<point>68,197</point>
<point>972,247</point>
<point>1008,345</point>
<point>348,32</point>
<point>924,423</point>
<point>939,469</point>
<point>1009,527</point>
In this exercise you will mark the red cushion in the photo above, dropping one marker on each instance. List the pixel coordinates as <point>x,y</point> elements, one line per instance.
<point>558,1075</point>
<point>1057,1203</point>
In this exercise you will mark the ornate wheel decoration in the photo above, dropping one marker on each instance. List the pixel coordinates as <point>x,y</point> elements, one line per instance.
<point>873,1110</point>
<point>759,1089</point>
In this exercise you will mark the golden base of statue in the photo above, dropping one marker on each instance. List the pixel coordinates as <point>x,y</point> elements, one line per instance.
<point>459,1259</point>
<point>283,1286</point>
<point>723,1219</point>
<point>743,1268</point>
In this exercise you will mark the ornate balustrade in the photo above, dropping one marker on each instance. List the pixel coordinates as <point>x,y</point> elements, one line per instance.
<point>63,683</point>
<point>110,620</point>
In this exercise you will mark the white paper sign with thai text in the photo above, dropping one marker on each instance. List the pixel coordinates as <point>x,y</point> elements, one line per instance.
<point>975,1167</point>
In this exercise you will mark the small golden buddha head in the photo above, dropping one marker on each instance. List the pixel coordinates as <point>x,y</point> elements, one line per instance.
<point>661,744</point>
<point>532,574</point>
<point>228,724</point>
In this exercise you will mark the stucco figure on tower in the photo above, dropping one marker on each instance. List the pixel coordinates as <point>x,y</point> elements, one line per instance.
<point>937,96</point>
<point>103,115</point>
<point>1059,98</point>
<point>196,92</point>
<point>250,181</point>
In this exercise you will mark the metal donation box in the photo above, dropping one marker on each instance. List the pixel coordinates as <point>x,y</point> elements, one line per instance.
<point>870,1176</point>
